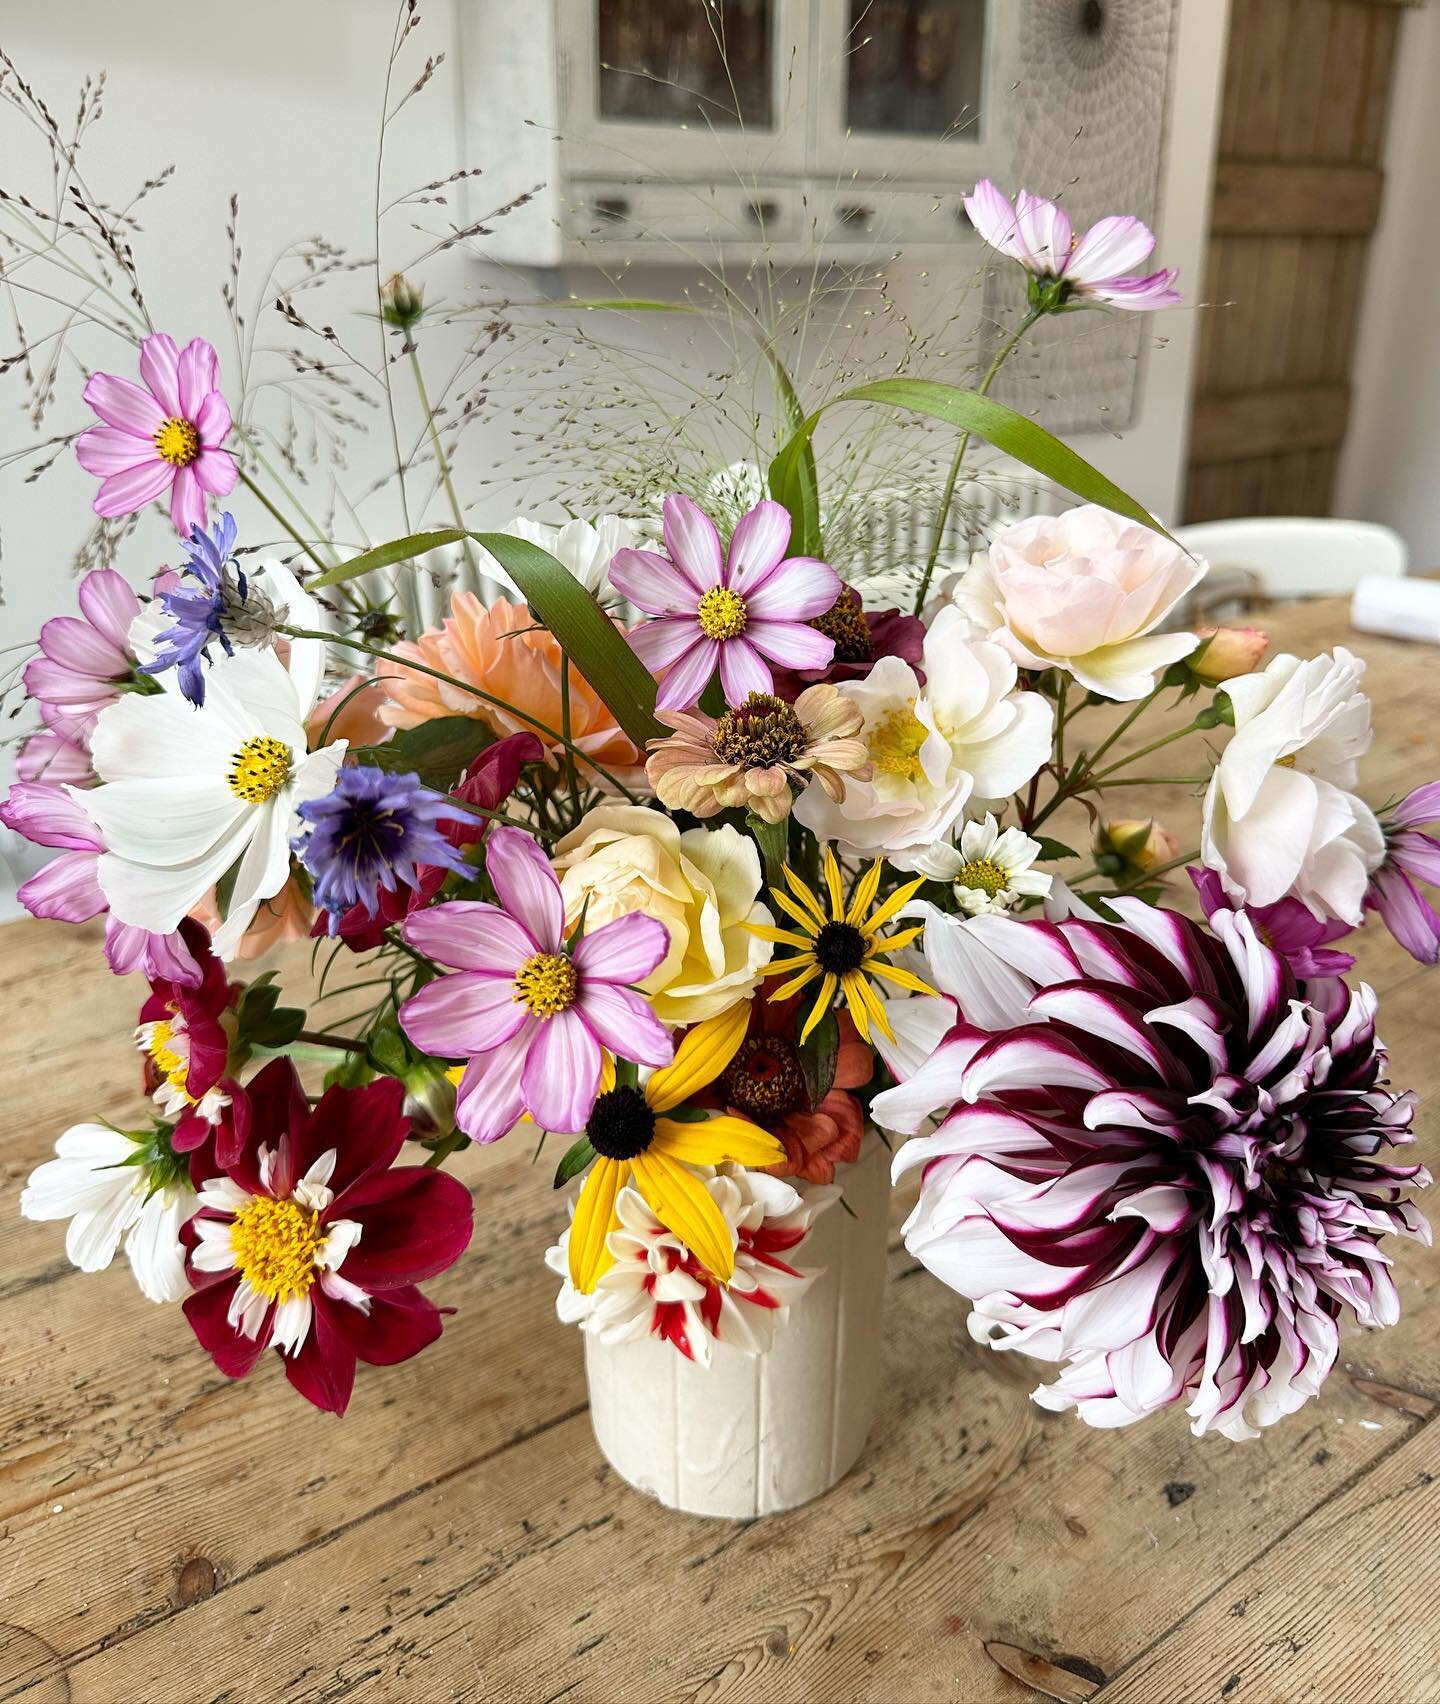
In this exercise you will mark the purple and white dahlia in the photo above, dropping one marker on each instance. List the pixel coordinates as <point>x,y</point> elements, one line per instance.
<point>1162,1160</point>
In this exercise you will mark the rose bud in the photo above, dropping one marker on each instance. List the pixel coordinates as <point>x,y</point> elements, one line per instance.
<point>1134,846</point>
<point>1225,652</point>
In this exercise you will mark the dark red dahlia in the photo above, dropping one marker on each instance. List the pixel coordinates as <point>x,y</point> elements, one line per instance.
<point>186,1044</point>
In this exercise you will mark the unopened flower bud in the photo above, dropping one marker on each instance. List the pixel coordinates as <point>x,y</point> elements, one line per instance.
<point>401,302</point>
<point>430,1099</point>
<point>1225,652</point>
<point>1140,844</point>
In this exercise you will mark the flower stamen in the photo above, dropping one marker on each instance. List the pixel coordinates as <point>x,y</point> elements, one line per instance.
<point>984,874</point>
<point>274,1244</point>
<point>762,731</point>
<point>721,613</point>
<point>177,442</point>
<point>259,769</point>
<point>547,983</point>
<point>895,741</point>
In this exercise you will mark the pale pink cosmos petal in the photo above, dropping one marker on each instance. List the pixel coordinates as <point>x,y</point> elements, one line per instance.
<point>199,373</point>
<point>1417,854</point>
<point>1044,232</point>
<point>626,949</point>
<point>561,1076</point>
<point>160,369</point>
<point>49,816</point>
<point>660,643</point>
<point>109,604</point>
<point>993,217</point>
<point>55,759</point>
<point>215,471</point>
<point>526,886</point>
<point>692,542</point>
<point>626,1023</point>
<point>1109,249</point>
<point>470,935</point>
<point>1140,295</point>
<point>76,645</point>
<point>462,1014</point>
<point>757,548</point>
<point>123,403</point>
<point>800,588</point>
<point>66,889</point>
<point>124,493</point>
<point>128,949</point>
<point>63,691</point>
<point>490,1102</point>
<point>652,583</point>
<point>1404,910</point>
<point>104,450</point>
<point>791,644</point>
<point>1422,805</point>
<point>213,420</point>
<point>743,671</point>
<point>187,500</point>
<point>691,674</point>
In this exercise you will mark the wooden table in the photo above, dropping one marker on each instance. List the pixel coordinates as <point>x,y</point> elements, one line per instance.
<point>168,1536</point>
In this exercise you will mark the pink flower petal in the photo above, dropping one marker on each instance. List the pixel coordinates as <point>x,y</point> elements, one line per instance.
<point>128,949</point>
<point>49,816</point>
<point>187,502</point>
<point>562,1073</point>
<point>743,670</point>
<point>463,1014</point>
<point>470,935</point>
<point>1420,806</point>
<point>124,493</point>
<point>1044,232</point>
<point>213,420</point>
<point>159,368</point>
<point>799,588</point>
<point>791,644</point>
<point>490,1102</point>
<point>1110,248</point>
<point>681,688</point>
<point>76,645</point>
<point>692,542</point>
<point>109,603</point>
<point>757,548</point>
<point>62,689</point>
<point>1139,295</point>
<point>626,949</point>
<point>526,886</point>
<point>199,373</point>
<point>216,472</point>
<point>66,889</point>
<point>626,1023</point>
<point>104,450</point>
<point>653,583</point>
<point>993,217</point>
<point>123,403</point>
<point>661,642</point>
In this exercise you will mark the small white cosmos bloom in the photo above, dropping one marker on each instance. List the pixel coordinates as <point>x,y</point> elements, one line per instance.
<point>990,869</point>
<point>95,1183</point>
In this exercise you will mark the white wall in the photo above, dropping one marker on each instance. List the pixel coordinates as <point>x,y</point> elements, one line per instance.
<point>1390,466</point>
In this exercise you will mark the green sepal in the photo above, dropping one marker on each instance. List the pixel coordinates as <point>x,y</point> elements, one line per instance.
<point>773,839</point>
<point>574,1161</point>
<point>1053,849</point>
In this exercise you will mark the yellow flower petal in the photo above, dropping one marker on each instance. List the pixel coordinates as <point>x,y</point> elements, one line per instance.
<point>864,895</point>
<point>594,1219</point>
<point>873,1004</point>
<point>714,1140</point>
<point>851,987</point>
<point>901,978</point>
<point>700,1058</point>
<point>786,989</point>
<point>786,937</point>
<point>681,1202</point>
<point>835,883</point>
<point>811,925</point>
<point>893,943</point>
<point>804,894</point>
<point>901,897</point>
<point>821,1006</point>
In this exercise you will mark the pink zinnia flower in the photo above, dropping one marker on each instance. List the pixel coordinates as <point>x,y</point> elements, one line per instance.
<point>735,610</point>
<point>528,1013</point>
<point>68,889</point>
<point>1164,1161</point>
<point>164,435</point>
<point>1410,856</point>
<point>1069,270</point>
<point>84,658</point>
<point>313,1241</point>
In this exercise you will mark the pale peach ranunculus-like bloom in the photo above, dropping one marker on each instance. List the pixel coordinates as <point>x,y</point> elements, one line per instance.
<point>1084,592</point>
<point>356,708</point>
<point>504,650</point>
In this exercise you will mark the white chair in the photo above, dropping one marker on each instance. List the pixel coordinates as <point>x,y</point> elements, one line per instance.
<point>1279,557</point>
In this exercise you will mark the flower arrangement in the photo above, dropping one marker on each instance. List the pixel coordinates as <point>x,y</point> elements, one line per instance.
<point>685,859</point>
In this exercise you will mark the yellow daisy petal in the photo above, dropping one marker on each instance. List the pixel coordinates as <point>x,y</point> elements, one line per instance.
<point>901,978</point>
<point>594,1219</point>
<point>821,1006</point>
<point>877,1011</point>
<point>681,1202</point>
<point>700,1058</point>
<point>804,894</point>
<point>901,897</point>
<point>893,943</point>
<point>835,883</point>
<point>786,937</point>
<point>864,895</point>
<point>811,925</point>
<point>850,987</point>
<point>786,989</point>
<point>715,1140</point>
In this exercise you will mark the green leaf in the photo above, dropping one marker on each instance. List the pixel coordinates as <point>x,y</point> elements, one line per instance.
<point>1050,849</point>
<point>439,752</point>
<point>574,1161</point>
<point>387,555</point>
<point>818,1056</point>
<point>793,481</point>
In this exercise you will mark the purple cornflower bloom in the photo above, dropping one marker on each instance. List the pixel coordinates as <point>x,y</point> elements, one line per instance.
<point>1410,856</point>
<point>214,608</point>
<point>370,832</point>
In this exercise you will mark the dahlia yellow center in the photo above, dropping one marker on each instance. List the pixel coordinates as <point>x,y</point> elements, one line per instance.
<point>984,874</point>
<point>894,743</point>
<point>177,442</point>
<point>168,1062</point>
<point>547,983</point>
<point>274,1244</point>
<point>259,769</point>
<point>721,613</point>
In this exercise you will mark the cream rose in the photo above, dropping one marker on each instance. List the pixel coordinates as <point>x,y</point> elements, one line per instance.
<point>1083,592</point>
<point>703,885</point>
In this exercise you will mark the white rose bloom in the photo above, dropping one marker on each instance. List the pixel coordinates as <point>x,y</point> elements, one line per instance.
<point>1281,816</point>
<point>966,733</point>
<point>585,549</point>
<point>108,1200</point>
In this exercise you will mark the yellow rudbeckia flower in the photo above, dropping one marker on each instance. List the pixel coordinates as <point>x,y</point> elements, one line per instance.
<point>636,1144</point>
<point>842,944</point>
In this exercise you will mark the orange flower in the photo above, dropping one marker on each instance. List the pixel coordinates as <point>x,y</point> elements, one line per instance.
<point>286,916</point>
<point>357,717</point>
<point>503,650</point>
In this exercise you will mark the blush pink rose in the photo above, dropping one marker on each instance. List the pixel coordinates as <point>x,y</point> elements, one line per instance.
<point>1084,592</point>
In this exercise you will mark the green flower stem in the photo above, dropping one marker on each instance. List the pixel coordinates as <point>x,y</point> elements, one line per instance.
<point>1092,775</point>
<point>441,462</point>
<point>255,491</point>
<point>1148,781</point>
<point>323,1038</point>
<point>1002,354</point>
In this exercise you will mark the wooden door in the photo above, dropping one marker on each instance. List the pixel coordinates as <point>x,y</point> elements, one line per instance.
<point>1297,193</point>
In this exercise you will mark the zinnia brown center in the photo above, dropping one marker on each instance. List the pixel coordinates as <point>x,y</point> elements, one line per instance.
<point>762,731</point>
<point>845,623</point>
<point>764,1077</point>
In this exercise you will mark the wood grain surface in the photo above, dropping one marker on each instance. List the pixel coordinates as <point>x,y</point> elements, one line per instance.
<point>168,1537</point>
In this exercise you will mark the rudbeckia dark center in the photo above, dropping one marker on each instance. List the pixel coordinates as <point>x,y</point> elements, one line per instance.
<point>764,1077</point>
<point>761,731</point>
<point>840,948</point>
<point>621,1124</point>
<point>845,623</point>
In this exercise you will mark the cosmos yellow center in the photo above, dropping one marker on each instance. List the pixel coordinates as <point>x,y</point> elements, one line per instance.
<point>173,1067</point>
<point>274,1244</point>
<point>985,874</point>
<point>721,613</point>
<point>259,769</point>
<point>547,984</point>
<point>177,442</point>
<point>895,741</point>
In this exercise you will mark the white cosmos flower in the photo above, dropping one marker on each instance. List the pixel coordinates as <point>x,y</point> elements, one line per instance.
<point>109,1200</point>
<point>585,549</point>
<point>188,793</point>
<point>1281,816</point>
<point>990,868</point>
<point>965,733</point>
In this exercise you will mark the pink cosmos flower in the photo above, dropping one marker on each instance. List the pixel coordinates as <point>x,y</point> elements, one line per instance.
<point>1410,856</point>
<point>530,1014</point>
<point>164,435</point>
<point>68,890</point>
<point>742,611</point>
<point>52,756</point>
<point>313,1241</point>
<point>83,659</point>
<point>1098,267</point>
<point>1289,926</point>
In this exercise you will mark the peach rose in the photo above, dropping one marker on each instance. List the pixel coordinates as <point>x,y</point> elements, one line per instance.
<point>1228,651</point>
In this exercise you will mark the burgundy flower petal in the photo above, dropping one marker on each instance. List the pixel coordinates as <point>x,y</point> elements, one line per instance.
<point>416,1223</point>
<point>366,1128</point>
<point>323,1369</point>
<point>399,1324</point>
<point>207,1309</point>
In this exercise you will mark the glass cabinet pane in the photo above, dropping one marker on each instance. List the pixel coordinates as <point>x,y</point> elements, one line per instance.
<point>697,62</point>
<point>914,67</point>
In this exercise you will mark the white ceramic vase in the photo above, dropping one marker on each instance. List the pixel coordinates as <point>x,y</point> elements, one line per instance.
<point>753,1434</point>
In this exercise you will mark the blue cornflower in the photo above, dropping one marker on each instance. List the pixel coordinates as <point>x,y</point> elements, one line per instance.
<point>371,832</point>
<point>203,612</point>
